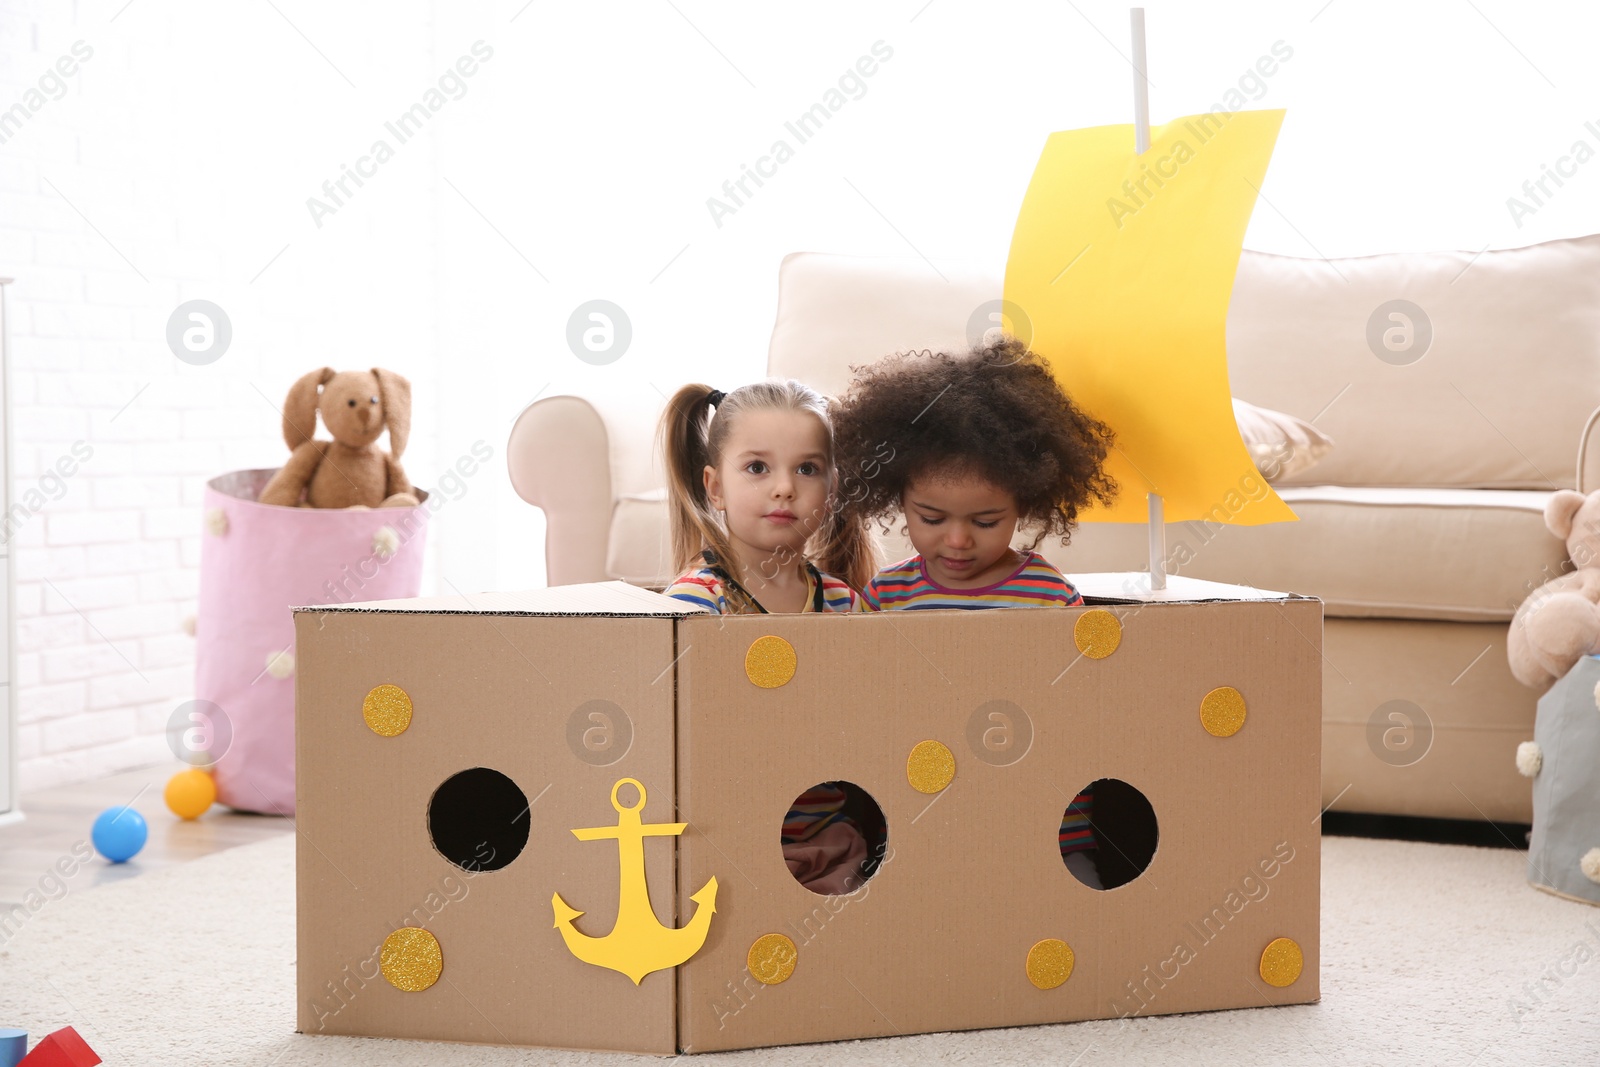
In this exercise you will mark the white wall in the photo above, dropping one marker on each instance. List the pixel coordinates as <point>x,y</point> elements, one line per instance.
<point>574,164</point>
<point>176,166</point>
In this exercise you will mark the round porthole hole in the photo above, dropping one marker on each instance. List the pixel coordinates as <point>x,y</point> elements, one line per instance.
<point>1108,834</point>
<point>479,820</point>
<point>834,838</point>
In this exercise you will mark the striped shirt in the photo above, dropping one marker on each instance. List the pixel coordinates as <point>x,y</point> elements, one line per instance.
<point>1034,584</point>
<point>1077,832</point>
<point>819,806</point>
<point>704,589</point>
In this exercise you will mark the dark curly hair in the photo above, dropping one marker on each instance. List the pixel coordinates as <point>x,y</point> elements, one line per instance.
<point>996,412</point>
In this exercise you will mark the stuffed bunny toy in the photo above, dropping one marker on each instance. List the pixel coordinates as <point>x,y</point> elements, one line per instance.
<point>347,472</point>
<point>1559,622</point>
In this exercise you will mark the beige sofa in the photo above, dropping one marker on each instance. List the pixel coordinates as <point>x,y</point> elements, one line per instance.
<point>1421,529</point>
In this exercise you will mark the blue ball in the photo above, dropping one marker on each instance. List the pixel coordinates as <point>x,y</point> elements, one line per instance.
<point>119,834</point>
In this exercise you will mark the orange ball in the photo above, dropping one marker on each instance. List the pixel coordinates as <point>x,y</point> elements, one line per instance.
<point>190,793</point>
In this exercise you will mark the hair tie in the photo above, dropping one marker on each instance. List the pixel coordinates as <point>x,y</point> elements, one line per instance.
<point>716,398</point>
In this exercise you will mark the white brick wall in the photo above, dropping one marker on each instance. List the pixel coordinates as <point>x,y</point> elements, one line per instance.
<point>186,146</point>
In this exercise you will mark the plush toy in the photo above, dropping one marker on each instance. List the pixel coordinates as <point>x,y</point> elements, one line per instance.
<point>348,471</point>
<point>1559,622</point>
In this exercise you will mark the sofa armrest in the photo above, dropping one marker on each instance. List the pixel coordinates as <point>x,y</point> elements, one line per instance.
<point>1588,463</point>
<point>573,457</point>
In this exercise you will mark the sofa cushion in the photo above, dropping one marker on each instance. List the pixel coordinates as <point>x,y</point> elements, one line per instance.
<point>1519,323</point>
<point>1445,554</point>
<point>1501,372</point>
<point>1281,445</point>
<point>836,312</point>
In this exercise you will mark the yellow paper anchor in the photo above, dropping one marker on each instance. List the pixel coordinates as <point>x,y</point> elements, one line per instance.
<point>638,944</point>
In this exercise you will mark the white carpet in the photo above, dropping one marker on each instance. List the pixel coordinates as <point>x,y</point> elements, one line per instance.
<point>1426,951</point>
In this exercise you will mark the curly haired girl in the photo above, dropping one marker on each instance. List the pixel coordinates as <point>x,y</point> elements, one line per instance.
<point>977,445</point>
<point>970,447</point>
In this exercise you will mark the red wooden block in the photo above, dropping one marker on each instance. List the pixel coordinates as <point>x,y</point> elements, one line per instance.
<point>64,1048</point>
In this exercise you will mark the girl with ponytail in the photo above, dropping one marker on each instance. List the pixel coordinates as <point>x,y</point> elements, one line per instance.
<point>750,486</point>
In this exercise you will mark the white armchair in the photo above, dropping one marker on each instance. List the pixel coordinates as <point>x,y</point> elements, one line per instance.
<point>591,464</point>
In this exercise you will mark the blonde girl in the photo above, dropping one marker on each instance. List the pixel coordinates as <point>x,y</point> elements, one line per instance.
<point>750,479</point>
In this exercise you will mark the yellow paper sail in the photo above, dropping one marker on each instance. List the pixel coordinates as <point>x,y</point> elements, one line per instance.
<point>1121,268</point>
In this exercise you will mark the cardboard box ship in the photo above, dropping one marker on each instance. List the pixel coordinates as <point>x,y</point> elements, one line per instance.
<point>464,814</point>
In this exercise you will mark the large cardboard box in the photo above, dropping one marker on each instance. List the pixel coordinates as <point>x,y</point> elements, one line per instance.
<point>449,747</point>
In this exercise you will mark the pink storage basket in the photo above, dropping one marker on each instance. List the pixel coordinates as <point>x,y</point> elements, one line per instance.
<point>256,562</point>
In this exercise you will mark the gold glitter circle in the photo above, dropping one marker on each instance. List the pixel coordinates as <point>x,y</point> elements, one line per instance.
<point>770,662</point>
<point>930,767</point>
<point>1222,711</point>
<point>411,959</point>
<point>387,710</point>
<point>1282,962</point>
<point>771,959</point>
<point>1050,963</point>
<point>1097,633</point>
